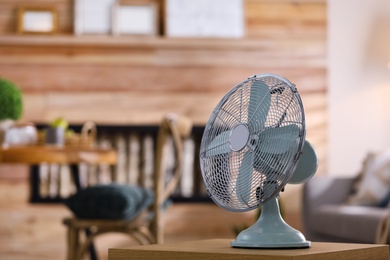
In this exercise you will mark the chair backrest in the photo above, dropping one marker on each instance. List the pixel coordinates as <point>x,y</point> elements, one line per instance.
<point>178,128</point>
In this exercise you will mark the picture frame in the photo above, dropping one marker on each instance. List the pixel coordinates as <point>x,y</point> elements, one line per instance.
<point>93,17</point>
<point>37,20</point>
<point>135,18</point>
<point>204,19</point>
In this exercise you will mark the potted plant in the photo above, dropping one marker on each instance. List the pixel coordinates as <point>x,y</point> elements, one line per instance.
<point>11,105</point>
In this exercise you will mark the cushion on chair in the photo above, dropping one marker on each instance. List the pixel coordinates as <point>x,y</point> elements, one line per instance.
<point>111,201</point>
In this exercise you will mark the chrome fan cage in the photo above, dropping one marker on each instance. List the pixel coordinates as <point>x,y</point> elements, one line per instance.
<point>252,141</point>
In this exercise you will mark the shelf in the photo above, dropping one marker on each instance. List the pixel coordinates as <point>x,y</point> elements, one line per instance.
<point>149,42</point>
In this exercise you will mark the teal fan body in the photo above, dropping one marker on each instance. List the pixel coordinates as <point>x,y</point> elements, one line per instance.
<point>252,146</point>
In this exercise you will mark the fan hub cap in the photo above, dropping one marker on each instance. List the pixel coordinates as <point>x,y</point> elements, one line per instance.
<point>239,137</point>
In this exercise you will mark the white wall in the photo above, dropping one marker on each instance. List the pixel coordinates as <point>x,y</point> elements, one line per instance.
<point>359,82</point>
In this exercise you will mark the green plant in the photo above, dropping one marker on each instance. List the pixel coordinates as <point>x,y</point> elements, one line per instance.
<point>11,103</point>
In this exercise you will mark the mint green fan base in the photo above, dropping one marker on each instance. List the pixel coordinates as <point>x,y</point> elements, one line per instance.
<point>270,230</point>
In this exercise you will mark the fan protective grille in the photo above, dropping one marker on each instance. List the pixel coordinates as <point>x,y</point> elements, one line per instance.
<point>252,141</point>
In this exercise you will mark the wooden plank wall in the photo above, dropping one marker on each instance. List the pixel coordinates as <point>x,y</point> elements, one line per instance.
<point>129,80</point>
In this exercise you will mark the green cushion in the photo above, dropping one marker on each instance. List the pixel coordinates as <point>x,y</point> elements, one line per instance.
<point>111,201</point>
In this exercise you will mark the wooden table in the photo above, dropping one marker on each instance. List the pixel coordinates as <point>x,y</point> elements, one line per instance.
<point>35,155</point>
<point>55,154</point>
<point>73,156</point>
<point>220,249</point>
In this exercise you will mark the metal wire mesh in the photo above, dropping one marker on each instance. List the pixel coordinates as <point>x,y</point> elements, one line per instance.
<point>272,111</point>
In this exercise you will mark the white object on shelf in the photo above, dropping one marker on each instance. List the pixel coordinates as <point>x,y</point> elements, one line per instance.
<point>205,18</point>
<point>135,19</point>
<point>38,21</point>
<point>93,16</point>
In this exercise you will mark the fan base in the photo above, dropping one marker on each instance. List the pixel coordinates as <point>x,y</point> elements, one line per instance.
<point>271,231</point>
<point>305,244</point>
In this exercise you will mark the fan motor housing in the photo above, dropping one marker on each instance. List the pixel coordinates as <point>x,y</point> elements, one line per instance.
<point>239,137</point>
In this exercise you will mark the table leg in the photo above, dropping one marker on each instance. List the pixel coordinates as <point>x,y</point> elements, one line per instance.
<point>74,169</point>
<point>34,183</point>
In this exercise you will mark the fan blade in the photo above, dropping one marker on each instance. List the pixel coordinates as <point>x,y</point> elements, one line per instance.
<point>259,103</point>
<point>244,179</point>
<point>306,166</point>
<point>278,140</point>
<point>219,145</point>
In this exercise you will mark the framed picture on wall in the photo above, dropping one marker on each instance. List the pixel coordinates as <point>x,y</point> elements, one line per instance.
<point>93,16</point>
<point>132,18</point>
<point>35,20</point>
<point>205,18</point>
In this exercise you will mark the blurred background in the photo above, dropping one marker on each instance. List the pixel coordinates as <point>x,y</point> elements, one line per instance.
<point>91,61</point>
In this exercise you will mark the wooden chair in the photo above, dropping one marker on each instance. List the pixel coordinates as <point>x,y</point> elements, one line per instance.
<point>144,229</point>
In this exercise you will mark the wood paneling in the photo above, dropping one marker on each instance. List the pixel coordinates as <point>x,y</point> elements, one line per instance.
<point>135,80</point>
<point>285,17</point>
<point>82,80</point>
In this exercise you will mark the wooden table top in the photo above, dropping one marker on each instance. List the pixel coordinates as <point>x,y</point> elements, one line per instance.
<point>37,154</point>
<point>220,249</point>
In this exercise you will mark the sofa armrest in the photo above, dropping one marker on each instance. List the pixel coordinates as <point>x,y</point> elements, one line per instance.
<point>320,191</point>
<point>361,224</point>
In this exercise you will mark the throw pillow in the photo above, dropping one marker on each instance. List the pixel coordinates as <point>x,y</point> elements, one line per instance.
<point>111,201</point>
<point>385,202</point>
<point>374,182</point>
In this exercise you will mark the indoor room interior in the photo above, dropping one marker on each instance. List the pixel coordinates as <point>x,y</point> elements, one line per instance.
<point>111,79</point>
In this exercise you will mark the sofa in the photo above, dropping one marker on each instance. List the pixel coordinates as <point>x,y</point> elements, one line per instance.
<point>327,217</point>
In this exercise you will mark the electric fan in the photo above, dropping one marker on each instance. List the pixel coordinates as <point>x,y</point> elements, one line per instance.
<point>252,146</point>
